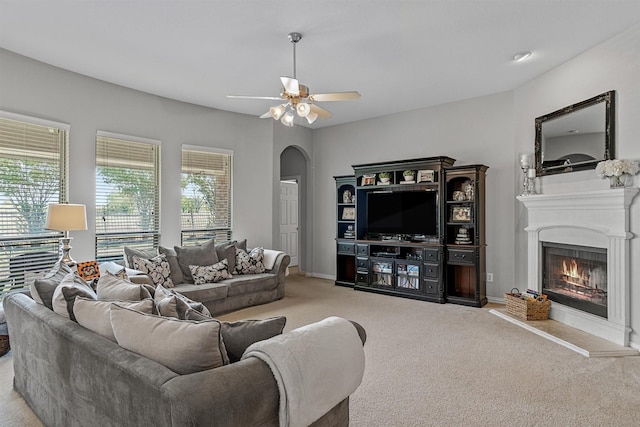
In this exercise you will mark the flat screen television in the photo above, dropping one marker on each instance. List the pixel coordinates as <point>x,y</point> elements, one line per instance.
<point>403,212</point>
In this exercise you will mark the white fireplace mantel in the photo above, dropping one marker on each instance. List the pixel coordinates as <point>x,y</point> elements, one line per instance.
<point>591,218</point>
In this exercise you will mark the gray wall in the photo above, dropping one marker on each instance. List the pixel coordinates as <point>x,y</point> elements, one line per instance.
<point>35,89</point>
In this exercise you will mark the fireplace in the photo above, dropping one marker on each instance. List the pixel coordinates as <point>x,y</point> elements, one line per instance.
<point>589,232</point>
<point>575,276</point>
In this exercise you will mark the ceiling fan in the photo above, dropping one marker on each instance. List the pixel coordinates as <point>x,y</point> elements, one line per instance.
<point>297,97</point>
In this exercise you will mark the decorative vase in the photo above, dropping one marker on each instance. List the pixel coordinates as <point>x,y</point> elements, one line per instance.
<point>409,177</point>
<point>620,181</point>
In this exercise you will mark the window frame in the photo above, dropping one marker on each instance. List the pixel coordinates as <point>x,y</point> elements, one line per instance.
<point>109,244</point>
<point>198,235</point>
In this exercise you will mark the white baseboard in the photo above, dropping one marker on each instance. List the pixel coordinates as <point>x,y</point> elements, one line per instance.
<point>321,276</point>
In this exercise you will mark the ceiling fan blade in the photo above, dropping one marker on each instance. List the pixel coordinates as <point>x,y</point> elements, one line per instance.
<point>266,115</point>
<point>335,96</point>
<point>290,85</point>
<point>271,98</point>
<point>321,112</point>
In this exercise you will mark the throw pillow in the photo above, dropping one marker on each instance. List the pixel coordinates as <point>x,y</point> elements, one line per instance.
<point>130,252</point>
<point>250,263</point>
<point>239,335</point>
<point>184,347</point>
<point>95,315</point>
<point>173,304</point>
<point>157,268</point>
<point>65,295</point>
<point>204,254</point>
<point>241,244</point>
<point>227,250</point>
<point>110,288</point>
<point>42,289</point>
<point>210,273</point>
<point>172,258</point>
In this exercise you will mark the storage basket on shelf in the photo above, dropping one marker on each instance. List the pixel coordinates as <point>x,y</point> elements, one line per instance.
<point>4,344</point>
<point>526,308</point>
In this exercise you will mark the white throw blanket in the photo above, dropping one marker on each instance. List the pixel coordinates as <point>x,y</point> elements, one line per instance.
<point>269,258</point>
<point>316,367</point>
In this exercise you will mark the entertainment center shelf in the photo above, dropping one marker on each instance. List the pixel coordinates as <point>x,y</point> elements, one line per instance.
<point>413,228</point>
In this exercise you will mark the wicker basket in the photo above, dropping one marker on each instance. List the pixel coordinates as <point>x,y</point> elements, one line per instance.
<point>527,309</point>
<point>4,344</point>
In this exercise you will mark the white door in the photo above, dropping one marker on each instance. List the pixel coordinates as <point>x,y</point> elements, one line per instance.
<point>289,219</point>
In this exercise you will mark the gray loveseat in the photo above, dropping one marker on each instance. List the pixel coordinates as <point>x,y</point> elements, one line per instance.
<point>243,290</point>
<point>71,376</point>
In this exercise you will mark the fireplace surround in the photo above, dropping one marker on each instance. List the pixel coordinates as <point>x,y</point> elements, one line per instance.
<point>592,219</point>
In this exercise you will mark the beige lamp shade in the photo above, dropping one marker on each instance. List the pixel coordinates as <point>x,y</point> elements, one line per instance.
<point>66,217</point>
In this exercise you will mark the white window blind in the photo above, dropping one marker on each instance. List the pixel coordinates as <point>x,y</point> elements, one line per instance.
<point>127,195</point>
<point>206,194</point>
<point>33,173</point>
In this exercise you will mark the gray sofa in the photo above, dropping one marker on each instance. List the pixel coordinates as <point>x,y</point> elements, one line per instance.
<point>71,376</point>
<point>243,290</point>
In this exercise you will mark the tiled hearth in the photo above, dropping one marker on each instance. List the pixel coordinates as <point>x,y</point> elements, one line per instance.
<point>593,219</point>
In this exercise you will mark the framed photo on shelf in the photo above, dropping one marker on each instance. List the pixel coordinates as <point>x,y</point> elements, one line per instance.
<point>88,270</point>
<point>368,179</point>
<point>349,213</point>
<point>426,175</point>
<point>460,214</point>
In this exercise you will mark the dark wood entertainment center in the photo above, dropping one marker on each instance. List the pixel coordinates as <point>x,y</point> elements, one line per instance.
<point>421,236</point>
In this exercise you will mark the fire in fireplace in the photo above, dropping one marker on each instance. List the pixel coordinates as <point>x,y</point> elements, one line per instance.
<point>576,276</point>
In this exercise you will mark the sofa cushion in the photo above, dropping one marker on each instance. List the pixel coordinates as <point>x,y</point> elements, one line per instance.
<point>42,289</point>
<point>110,287</point>
<point>204,254</point>
<point>65,295</point>
<point>239,335</point>
<point>227,250</point>
<point>95,315</point>
<point>202,274</point>
<point>157,268</point>
<point>244,284</point>
<point>172,258</point>
<point>249,263</point>
<point>204,293</point>
<point>183,346</point>
<point>130,252</point>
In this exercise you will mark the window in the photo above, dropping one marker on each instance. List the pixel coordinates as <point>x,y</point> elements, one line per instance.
<point>206,194</point>
<point>127,194</point>
<point>33,173</point>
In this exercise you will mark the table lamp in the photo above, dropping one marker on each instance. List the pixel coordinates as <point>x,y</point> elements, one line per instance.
<point>66,217</point>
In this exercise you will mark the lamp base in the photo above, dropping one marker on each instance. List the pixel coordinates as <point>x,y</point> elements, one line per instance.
<point>65,248</point>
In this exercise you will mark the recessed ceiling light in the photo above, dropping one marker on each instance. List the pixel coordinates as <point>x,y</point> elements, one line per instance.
<point>521,56</point>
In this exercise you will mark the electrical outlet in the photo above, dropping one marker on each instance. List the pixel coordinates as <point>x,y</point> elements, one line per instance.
<point>490,277</point>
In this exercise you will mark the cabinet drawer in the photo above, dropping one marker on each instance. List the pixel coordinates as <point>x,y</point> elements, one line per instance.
<point>461,256</point>
<point>431,255</point>
<point>431,287</point>
<point>362,263</point>
<point>362,250</point>
<point>346,248</point>
<point>431,270</point>
<point>362,278</point>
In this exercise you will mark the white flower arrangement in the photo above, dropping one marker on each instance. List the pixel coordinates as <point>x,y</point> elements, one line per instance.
<point>608,168</point>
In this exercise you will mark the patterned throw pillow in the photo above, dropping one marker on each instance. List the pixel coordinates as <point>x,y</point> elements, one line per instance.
<point>249,263</point>
<point>210,273</point>
<point>157,268</point>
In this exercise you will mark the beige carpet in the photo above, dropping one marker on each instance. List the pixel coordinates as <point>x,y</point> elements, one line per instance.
<point>444,365</point>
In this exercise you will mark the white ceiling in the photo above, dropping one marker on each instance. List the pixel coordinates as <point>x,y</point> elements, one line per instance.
<point>400,55</point>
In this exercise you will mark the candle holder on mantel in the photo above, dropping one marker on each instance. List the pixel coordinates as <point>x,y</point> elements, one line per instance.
<point>528,181</point>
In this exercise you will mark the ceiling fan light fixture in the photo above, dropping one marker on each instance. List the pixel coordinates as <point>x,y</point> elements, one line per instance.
<point>303,109</point>
<point>311,117</point>
<point>277,111</point>
<point>287,119</point>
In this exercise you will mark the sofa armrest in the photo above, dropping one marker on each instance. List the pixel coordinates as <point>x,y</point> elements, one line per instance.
<point>280,270</point>
<point>244,393</point>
